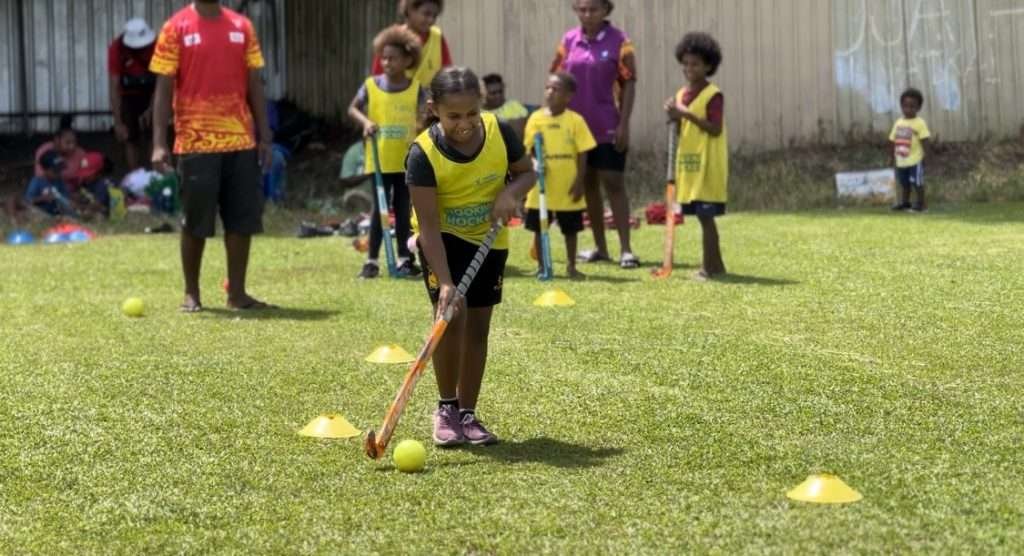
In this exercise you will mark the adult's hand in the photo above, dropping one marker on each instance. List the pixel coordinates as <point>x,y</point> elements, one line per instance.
<point>622,137</point>
<point>161,160</point>
<point>266,154</point>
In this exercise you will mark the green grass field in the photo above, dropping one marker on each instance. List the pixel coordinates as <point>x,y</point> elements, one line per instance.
<point>660,417</point>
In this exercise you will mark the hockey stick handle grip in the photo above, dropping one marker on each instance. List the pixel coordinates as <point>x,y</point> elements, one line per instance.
<point>673,145</point>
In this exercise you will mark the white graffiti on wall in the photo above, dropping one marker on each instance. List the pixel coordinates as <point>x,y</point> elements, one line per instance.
<point>894,45</point>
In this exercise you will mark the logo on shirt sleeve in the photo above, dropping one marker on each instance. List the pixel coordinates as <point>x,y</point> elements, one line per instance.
<point>236,37</point>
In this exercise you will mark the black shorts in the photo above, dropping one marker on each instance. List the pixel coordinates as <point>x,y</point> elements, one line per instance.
<point>485,291</point>
<point>605,157</point>
<point>133,106</point>
<point>569,221</point>
<point>228,183</point>
<point>702,208</point>
<point>911,176</point>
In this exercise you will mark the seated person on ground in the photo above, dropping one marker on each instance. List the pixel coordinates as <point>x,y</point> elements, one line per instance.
<point>47,192</point>
<point>511,112</point>
<point>65,142</point>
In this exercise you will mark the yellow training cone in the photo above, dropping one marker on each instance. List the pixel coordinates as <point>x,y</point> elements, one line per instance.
<point>554,298</point>
<point>824,489</point>
<point>330,426</point>
<point>389,354</point>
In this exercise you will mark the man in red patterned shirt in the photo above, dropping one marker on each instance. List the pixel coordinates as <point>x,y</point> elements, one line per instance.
<point>210,57</point>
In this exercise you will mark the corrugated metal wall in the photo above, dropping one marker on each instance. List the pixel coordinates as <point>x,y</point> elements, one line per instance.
<point>329,50</point>
<point>795,71</point>
<point>778,83</point>
<point>66,47</point>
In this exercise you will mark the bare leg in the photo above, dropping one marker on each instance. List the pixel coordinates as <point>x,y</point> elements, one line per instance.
<point>474,355</point>
<point>595,210</point>
<point>540,254</point>
<point>615,188</point>
<point>712,264</point>
<point>237,247</point>
<point>448,358</point>
<point>191,263</point>
<point>131,155</point>
<point>570,254</point>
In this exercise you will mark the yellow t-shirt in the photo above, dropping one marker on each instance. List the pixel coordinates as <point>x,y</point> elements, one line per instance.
<point>511,110</point>
<point>395,115</point>
<point>906,137</point>
<point>466,191</point>
<point>566,136</point>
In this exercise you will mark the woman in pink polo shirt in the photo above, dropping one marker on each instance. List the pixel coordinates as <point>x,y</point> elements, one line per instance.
<point>601,58</point>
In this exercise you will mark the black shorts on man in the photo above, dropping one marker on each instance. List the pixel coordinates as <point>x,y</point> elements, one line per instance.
<point>226,183</point>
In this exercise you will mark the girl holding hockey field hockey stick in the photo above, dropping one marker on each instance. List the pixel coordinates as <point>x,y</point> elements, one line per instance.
<point>456,172</point>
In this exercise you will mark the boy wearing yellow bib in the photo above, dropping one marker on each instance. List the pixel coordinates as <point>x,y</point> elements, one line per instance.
<point>908,137</point>
<point>702,158</point>
<point>388,106</point>
<point>566,142</point>
<point>456,172</point>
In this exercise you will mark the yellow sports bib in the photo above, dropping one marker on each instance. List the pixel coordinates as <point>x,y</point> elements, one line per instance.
<point>565,137</point>
<point>466,191</point>
<point>395,115</point>
<point>702,161</point>
<point>430,59</point>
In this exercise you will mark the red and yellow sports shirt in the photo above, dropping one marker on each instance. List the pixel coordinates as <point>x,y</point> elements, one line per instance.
<point>210,59</point>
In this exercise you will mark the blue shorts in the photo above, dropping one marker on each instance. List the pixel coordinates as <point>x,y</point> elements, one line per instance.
<point>911,176</point>
<point>703,208</point>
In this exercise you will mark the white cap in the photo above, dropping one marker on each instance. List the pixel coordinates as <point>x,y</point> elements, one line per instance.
<point>137,33</point>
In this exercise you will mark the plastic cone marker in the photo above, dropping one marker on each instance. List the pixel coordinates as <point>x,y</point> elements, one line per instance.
<point>554,298</point>
<point>390,353</point>
<point>330,426</point>
<point>824,489</point>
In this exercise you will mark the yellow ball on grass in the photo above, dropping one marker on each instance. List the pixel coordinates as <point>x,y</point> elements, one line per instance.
<point>410,456</point>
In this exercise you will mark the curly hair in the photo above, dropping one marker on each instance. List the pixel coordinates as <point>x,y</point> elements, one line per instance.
<point>702,45</point>
<point>400,38</point>
<point>405,5</point>
<point>914,94</point>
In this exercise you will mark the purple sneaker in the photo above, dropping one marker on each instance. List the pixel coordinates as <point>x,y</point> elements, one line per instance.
<point>475,432</point>
<point>447,429</point>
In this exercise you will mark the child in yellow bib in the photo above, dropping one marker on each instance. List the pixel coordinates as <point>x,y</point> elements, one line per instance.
<point>456,171</point>
<point>388,106</point>
<point>702,158</point>
<point>908,137</point>
<point>420,16</point>
<point>566,142</point>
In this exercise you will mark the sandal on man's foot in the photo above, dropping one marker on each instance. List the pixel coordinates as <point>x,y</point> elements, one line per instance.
<point>592,256</point>
<point>628,261</point>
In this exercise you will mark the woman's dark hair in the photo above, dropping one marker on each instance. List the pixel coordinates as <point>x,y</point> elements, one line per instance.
<point>452,80</point>
<point>405,5</point>
<point>609,6</point>
<point>400,38</point>
<point>702,45</point>
<point>914,94</point>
